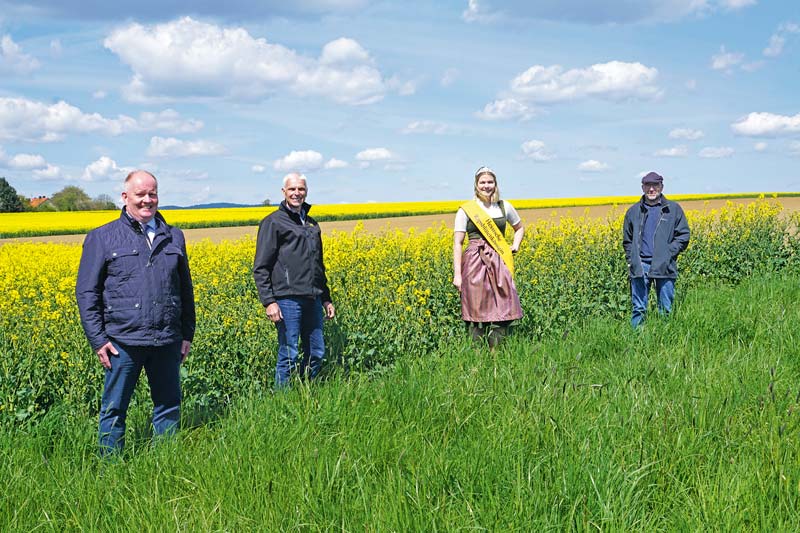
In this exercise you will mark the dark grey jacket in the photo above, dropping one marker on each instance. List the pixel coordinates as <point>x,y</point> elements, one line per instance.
<point>132,293</point>
<point>672,237</point>
<point>288,258</point>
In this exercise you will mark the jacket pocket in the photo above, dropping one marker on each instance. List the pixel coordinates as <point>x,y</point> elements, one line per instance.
<point>122,263</point>
<point>123,316</point>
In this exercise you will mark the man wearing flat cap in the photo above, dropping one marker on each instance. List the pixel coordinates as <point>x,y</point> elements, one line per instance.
<point>654,232</point>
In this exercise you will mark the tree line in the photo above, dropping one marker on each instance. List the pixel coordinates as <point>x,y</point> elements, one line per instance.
<point>70,198</point>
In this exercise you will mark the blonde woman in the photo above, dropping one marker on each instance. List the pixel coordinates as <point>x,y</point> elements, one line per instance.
<point>483,272</point>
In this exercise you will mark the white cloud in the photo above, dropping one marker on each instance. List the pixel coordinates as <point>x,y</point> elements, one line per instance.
<point>767,125</point>
<point>449,77</point>
<point>99,95</point>
<point>300,161</point>
<point>592,165</point>
<point>373,155</point>
<point>427,126</point>
<point>725,60</point>
<point>535,149</point>
<point>27,162</point>
<point>168,120</point>
<point>777,41</point>
<point>760,146</point>
<point>401,87</point>
<point>13,60</point>
<point>732,5</point>
<point>686,133</point>
<point>506,109</point>
<point>55,48</point>
<point>28,120</point>
<point>50,172</point>
<point>188,58</point>
<point>716,152</point>
<point>103,168</point>
<point>333,163</point>
<point>675,151</point>
<point>172,147</point>
<point>589,12</point>
<point>615,80</point>
<point>258,169</point>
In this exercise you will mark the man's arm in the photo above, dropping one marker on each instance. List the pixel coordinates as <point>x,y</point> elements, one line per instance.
<point>627,236</point>
<point>89,291</point>
<point>188,313</point>
<point>680,237</point>
<point>266,255</point>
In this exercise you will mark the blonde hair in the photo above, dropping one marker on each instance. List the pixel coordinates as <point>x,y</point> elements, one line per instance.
<point>483,171</point>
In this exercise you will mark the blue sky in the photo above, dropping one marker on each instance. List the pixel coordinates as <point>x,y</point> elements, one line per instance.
<point>400,101</point>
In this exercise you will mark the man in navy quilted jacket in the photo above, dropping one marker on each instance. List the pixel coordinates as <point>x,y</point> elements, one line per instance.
<point>136,303</point>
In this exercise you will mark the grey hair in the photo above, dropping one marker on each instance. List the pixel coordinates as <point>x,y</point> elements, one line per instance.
<point>294,175</point>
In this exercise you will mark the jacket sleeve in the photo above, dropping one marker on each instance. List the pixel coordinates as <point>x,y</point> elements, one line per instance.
<point>680,236</point>
<point>188,313</point>
<point>326,293</point>
<point>266,255</point>
<point>627,235</point>
<point>89,290</point>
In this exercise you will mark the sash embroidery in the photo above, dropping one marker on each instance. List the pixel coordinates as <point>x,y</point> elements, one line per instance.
<point>490,231</point>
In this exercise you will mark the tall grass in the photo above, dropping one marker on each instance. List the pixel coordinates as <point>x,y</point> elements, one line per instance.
<point>688,424</point>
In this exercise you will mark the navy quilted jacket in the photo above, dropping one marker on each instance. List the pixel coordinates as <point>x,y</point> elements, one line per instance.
<point>133,293</point>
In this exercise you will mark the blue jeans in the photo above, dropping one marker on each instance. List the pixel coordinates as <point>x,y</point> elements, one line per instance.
<point>302,321</point>
<point>640,290</point>
<point>162,366</point>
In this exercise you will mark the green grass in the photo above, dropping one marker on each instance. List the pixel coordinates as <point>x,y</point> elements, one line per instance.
<point>690,424</point>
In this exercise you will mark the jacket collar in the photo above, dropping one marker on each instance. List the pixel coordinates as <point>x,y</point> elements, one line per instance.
<point>133,223</point>
<point>664,203</point>
<point>305,208</point>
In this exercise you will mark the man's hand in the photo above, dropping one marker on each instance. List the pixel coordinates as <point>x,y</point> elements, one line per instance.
<point>185,347</point>
<point>274,312</point>
<point>330,311</point>
<point>104,353</point>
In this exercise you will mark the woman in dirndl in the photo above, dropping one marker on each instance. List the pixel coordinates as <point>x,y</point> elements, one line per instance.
<point>489,299</point>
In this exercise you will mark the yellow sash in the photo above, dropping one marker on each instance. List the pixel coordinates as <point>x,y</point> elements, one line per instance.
<point>490,232</point>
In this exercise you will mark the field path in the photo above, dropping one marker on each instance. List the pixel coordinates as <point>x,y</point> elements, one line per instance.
<point>420,222</point>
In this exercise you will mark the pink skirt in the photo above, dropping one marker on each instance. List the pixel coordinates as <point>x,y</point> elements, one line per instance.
<point>488,293</point>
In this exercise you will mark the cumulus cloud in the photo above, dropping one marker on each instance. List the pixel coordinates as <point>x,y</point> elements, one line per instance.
<point>777,41</point>
<point>725,60</point>
<point>27,120</point>
<point>675,151</point>
<point>615,81</point>
<point>767,125</point>
<point>506,109</point>
<point>373,155</point>
<point>50,172</point>
<point>13,60</point>
<point>716,152</point>
<point>334,163</point>
<point>26,162</point>
<point>760,146</point>
<point>593,165</point>
<point>536,150</point>
<point>686,133</point>
<point>588,12</point>
<point>187,58</point>
<point>103,169</point>
<point>172,147</point>
<point>299,161</point>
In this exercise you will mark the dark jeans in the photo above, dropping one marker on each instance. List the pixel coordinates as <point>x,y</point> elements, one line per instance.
<point>162,366</point>
<point>302,321</point>
<point>640,290</point>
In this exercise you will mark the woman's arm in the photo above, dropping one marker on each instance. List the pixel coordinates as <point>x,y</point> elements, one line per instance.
<point>458,250</point>
<point>519,233</point>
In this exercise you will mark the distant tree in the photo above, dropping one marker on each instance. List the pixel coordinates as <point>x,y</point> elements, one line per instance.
<point>103,202</point>
<point>266,202</point>
<point>26,202</point>
<point>9,200</point>
<point>71,198</point>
